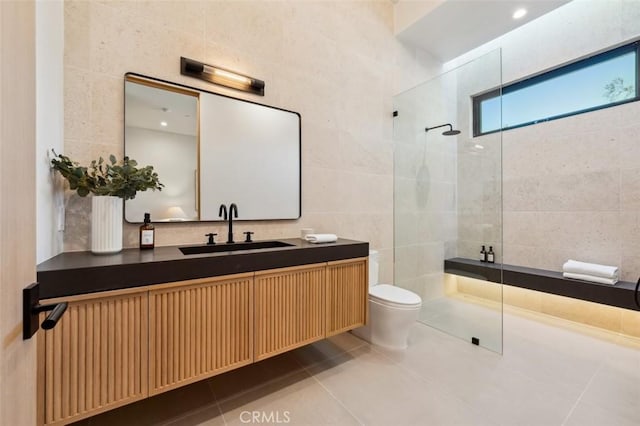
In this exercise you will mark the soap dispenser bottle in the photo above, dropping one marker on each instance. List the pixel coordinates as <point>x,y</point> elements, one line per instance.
<point>483,255</point>
<point>491,256</point>
<point>147,233</point>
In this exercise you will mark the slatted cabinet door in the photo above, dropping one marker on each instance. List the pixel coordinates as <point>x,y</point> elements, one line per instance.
<point>289,308</point>
<point>347,295</point>
<point>199,329</point>
<point>95,359</point>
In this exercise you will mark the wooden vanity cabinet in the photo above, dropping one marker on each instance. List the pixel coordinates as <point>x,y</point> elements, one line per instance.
<point>289,308</point>
<point>111,349</point>
<point>95,359</point>
<point>347,295</point>
<point>199,330</point>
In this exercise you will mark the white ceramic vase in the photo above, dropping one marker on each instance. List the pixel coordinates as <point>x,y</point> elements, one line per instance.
<point>106,224</point>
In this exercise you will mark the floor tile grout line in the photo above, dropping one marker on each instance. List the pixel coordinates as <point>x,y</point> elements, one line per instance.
<point>313,376</point>
<point>197,410</point>
<point>575,405</point>
<point>426,380</point>
<point>175,419</point>
<point>215,398</point>
<point>262,385</point>
<point>342,404</point>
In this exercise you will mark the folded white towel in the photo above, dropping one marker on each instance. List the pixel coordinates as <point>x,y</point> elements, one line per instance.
<point>583,277</point>
<point>321,238</point>
<point>604,271</point>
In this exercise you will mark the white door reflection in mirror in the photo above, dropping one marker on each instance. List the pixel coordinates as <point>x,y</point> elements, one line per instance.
<point>161,130</point>
<point>250,156</point>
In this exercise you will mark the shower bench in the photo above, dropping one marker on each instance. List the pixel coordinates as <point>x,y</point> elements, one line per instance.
<point>620,295</point>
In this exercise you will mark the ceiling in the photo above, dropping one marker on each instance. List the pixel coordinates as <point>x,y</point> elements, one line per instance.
<point>456,26</point>
<point>147,107</point>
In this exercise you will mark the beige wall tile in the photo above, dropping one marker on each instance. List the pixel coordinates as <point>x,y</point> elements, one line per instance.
<point>562,307</point>
<point>521,194</point>
<point>630,189</point>
<point>480,288</point>
<point>631,322</point>
<point>77,104</point>
<point>628,136</point>
<point>77,34</point>
<point>630,266</point>
<point>317,58</point>
<point>522,298</point>
<point>602,316</point>
<point>580,191</point>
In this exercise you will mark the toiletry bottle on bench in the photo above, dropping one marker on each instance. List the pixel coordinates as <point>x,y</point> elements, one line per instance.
<point>491,256</point>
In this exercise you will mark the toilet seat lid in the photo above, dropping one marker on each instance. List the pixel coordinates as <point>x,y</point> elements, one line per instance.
<point>393,294</point>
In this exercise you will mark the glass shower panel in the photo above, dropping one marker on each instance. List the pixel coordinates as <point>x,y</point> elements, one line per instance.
<point>448,203</point>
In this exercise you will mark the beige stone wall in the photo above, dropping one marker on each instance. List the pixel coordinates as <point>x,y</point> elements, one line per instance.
<point>425,181</point>
<point>571,190</point>
<point>447,193</point>
<point>337,63</point>
<point>570,187</point>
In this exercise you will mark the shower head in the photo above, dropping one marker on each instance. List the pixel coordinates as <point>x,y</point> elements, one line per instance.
<point>450,132</point>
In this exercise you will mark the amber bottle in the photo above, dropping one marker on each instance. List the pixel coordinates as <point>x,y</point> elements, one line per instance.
<point>147,233</point>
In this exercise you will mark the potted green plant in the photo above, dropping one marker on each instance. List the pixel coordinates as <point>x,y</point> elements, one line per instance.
<point>110,183</point>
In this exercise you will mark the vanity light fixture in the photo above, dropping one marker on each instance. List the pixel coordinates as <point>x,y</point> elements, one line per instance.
<point>221,76</point>
<point>163,123</point>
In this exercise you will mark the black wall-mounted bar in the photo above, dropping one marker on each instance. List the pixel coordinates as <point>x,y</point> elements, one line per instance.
<point>221,76</point>
<point>31,309</point>
<point>450,132</point>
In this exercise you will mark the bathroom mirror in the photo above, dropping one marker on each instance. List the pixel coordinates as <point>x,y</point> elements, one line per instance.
<point>210,149</point>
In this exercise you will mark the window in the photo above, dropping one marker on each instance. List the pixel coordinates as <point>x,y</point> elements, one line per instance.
<point>607,79</point>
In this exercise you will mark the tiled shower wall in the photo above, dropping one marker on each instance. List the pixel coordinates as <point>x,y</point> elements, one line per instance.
<point>424,187</point>
<point>337,63</point>
<point>447,192</point>
<point>572,191</point>
<point>570,186</point>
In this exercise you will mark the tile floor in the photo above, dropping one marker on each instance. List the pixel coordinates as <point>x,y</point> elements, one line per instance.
<point>465,317</point>
<point>551,373</point>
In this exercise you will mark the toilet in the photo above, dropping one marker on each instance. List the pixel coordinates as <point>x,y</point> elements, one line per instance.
<point>392,311</point>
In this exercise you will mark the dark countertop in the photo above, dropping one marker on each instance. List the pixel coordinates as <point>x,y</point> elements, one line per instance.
<point>620,295</point>
<point>76,273</point>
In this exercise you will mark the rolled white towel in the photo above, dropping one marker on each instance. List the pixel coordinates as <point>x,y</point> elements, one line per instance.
<point>583,277</point>
<point>321,238</point>
<point>593,269</point>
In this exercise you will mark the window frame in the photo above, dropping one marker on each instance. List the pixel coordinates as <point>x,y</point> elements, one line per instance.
<point>547,75</point>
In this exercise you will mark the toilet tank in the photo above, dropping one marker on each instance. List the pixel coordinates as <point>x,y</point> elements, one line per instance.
<point>374,267</point>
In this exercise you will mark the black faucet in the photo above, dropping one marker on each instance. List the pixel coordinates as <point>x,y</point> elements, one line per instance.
<point>233,211</point>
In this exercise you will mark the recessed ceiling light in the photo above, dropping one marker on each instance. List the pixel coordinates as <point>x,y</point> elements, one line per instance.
<point>163,123</point>
<point>519,13</point>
